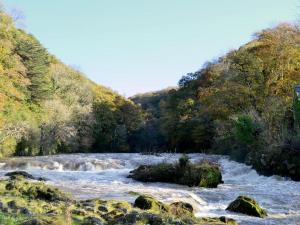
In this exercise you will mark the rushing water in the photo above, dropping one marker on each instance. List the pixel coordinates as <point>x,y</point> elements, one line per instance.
<point>105,176</point>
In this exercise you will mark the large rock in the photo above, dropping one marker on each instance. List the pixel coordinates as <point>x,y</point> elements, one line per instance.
<point>154,173</point>
<point>92,221</point>
<point>134,218</point>
<point>246,205</point>
<point>33,222</point>
<point>216,221</point>
<point>181,209</point>
<point>17,174</point>
<point>147,202</point>
<point>36,190</point>
<point>204,174</point>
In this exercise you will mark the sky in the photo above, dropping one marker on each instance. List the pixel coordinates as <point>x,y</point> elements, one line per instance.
<point>136,46</point>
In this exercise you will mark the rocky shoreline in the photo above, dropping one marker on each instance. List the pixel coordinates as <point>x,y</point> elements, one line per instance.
<point>28,202</point>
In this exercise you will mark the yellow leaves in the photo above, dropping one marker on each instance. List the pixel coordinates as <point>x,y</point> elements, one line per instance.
<point>103,94</point>
<point>8,89</point>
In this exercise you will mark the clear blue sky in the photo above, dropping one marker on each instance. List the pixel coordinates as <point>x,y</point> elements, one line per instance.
<point>135,46</point>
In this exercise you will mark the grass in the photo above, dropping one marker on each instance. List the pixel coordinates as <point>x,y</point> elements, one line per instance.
<point>7,219</point>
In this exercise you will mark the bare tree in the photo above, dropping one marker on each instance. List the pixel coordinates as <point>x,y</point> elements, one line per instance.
<point>13,130</point>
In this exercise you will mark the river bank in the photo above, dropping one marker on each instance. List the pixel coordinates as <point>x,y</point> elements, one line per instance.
<point>87,176</point>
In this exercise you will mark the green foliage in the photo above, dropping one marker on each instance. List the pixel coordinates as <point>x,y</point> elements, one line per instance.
<point>184,161</point>
<point>47,107</point>
<point>246,131</point>
<point>296,108</point>
<point>36,60</point>
<point>240,104</point>
<point>9,219</point>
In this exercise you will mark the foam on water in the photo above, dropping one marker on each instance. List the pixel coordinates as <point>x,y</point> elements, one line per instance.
<point>105,176</point>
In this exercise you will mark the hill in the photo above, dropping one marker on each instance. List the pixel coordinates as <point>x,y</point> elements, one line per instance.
<point>47,107</point>
<point>242,104</point>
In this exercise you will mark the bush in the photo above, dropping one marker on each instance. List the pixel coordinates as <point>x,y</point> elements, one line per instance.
<point>184,161</point>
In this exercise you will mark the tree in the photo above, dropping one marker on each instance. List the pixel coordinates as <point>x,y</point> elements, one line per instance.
<point>36,60</point>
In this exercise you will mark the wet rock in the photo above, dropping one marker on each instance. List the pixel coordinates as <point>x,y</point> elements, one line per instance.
<point>51,212</point>
<point>248,206</point>
<point>154,173</point>
<point>102,208</point>
<point>181,209</point>
<point>45,193</point>
<point>205,174</point>
<point>113,215</point>
<point>12,204</point>
<point>16,174</point>
<point>79,212</point>
<point>24,210</point>
<point>20,173</point>
<point>147,202</point>
<point>89,209</point>
<point>216,221</point>
<point>226,220</point>
<point>36,190</point>
<point>92,221</point>
<point>88,203</point>
<point>139,218</point>
<point>32,222</point>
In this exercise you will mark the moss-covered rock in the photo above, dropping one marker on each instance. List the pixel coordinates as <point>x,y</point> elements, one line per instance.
<point>181,209</point>
<point>246,205</point>
<point>22,203</point>
<point>35,190</point>
<point>92,221</point>
<point>216,221</point>
<point>203,174</point>
<point>139,218</point>
<point>23,174</point>
<point>33,222</point>
<point>147,202</point>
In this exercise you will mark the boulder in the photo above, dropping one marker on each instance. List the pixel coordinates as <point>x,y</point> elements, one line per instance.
<point>92,221</point>
<point>33,222</point>
<point>15,174</point>
<point>24,210</point>
<point>78,212</point>
<point>154,173</point>
<point>180,209</point>
<point>147,202</point>
<point>102,208</point>
<point>134,218</point>
<point>12,204</point>
<point>36,190</point>
<point>216,221</point>
<point>203,174</point>
<point>113,215</point>
<point>248,206</point>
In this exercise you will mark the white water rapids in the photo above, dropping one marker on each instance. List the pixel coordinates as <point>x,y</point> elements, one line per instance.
<point>105,176</point>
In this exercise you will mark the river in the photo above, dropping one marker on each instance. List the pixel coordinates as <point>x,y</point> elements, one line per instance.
<point>105,176</point>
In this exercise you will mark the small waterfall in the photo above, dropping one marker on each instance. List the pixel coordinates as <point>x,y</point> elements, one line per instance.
<point>105,176</point>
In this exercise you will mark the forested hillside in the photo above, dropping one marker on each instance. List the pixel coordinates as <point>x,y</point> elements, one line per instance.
<point>47,107</point>
<point>240,104</point>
